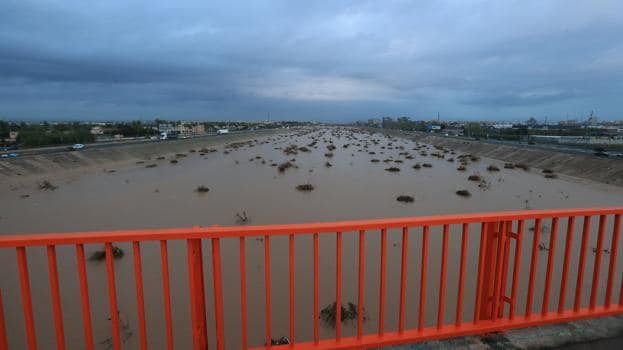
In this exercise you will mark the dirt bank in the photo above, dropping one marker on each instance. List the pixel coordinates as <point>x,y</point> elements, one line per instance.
<point>50,164</point>
<point>609,171</point>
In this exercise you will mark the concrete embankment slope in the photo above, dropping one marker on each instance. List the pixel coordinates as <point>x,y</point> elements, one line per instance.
<point>94,157</point>
<point>609,171</point>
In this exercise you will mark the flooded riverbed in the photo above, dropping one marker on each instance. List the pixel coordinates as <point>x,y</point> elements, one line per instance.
<point>352,179</point>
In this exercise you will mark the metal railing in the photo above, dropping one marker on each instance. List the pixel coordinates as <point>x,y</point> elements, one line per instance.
<point>496,306</point>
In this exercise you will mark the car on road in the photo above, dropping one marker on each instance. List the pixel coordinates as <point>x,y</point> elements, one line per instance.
<point>9,155</point>
<point>77,146</point>
<point>222,131</point>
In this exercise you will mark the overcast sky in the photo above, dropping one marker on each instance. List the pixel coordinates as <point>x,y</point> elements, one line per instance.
<point>320,60</point>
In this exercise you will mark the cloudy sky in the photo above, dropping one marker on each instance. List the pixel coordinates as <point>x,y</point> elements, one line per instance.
<point>321,60</point>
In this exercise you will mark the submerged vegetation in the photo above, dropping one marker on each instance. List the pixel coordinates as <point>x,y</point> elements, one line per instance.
<point>99,255</point>
<point>305,187</point>
<point>202,189</point>
<point>350,312</point>
<point>405,199</point>
<point>47,186</point>
<point>463,193</point>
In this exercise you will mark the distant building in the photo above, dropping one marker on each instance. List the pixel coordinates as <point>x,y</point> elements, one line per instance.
<point>375,122</point>
<point>502,126</point>
<point>453,132</point>
<point>97,130</point>
<point>592,120</point>
<point>13,136</point>
<point>386,122</point>
<point>433,127</point>
<point>166,128</point>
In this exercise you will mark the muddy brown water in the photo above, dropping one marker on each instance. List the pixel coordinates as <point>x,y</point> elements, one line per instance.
<point>136,197</point>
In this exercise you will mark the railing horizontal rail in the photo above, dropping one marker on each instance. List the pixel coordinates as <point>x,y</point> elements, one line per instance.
<point>27,240</point>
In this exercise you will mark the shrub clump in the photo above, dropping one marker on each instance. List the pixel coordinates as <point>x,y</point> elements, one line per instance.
<point>474,177</point>
<point>522,166</point>
<point>47,186</point>
<point>202,189</point>
<point>405,199</point>
<point>392,169</point>
<point>417,166</point>
<point>305,187</point>
<point>427,165</point>
<point>117,253</point>
<point>548,171</point>
<point>348,313</point>
<point>509,166</point>
<point>463,193</point>
<point>461,168</point>
<point>493,168</point>
<point>283,166</point>
<point>328,155</point>
<point>551,176</point>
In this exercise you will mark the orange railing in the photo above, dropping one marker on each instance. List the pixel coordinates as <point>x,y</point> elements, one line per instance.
<point>497,286</point>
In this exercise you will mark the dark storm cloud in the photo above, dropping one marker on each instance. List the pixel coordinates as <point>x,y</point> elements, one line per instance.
<point>331,60</point>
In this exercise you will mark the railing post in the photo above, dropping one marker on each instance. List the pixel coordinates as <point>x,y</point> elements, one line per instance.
<point>197,294</point>
<point>490,237</point>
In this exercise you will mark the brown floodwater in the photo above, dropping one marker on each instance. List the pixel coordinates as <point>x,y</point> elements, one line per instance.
<point>243,180</point>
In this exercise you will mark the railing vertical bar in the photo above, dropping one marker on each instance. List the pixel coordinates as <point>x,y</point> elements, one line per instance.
<point>338,286</point>
<point>140,297</point>
<point>614,247</point>
<point>4,341</point>
<point>597,264</point>
<point>566,264</point>
<point>505,262</point>
<point>497,290</point>
<point>423,270</point>
<point>458,317</point>
<point>442,277</point>
<point>516,268</point>
<point>582,264</point>
<point>218,292</point>
<point>481,266</point>
<point>382,281</point>
<point>267,289</point>
<point>197,294</point>
<point>56,297</point>
<point>316,318</point>
<point>533,264</point>
<point>550,266</point>
<point>112,296</point>
<point>403,279</point>
<point>292,295</point>
<point>243,293</point>
<point>166,293</point>
<point>24,280</point>
<point>362,243</point>
<point>84,297</point>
